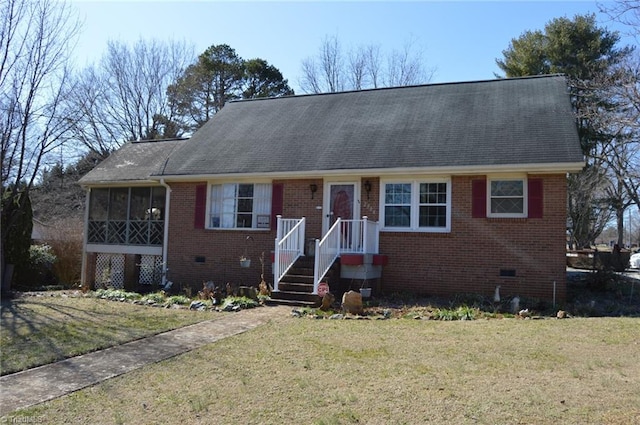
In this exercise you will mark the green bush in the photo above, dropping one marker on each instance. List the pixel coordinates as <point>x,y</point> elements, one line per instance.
<point>116,295</point>
<point>38,273</point>
<point>461,313</point>
<point>241,302</point>
<point>155,297</point>
<point>42,256</point>
<point>178,299</point>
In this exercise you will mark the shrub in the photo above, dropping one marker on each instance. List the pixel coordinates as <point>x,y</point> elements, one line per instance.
<point>42,256</point>
<point>16,225</point>
<point>37,274</point>
<point>116,295</point>
<point>460,313</point>
<point>178,299</point>
<point>241,302</point>
<point>155,297</point>
<point>65,238</point>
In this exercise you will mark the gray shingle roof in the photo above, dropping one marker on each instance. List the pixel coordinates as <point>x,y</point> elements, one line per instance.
<point>134,161</point>
<point>484,123</point>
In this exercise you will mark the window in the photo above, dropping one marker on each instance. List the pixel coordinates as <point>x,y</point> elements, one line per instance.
<point>417,205</point>
<point>240,206</point>
<point>507,197</point>
<point>433,205</point>
<point>397,205</point>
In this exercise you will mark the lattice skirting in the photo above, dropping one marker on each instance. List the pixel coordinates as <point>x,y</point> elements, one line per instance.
<point>110,271</point>
<point>150,270</point>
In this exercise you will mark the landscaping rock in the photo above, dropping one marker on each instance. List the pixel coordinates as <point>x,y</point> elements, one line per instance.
<point>352,302</point>
<point>249,292</point>
<point>232,307</point>
<point>196,305</point>
<point>327,301</point>
<point>336,317</point>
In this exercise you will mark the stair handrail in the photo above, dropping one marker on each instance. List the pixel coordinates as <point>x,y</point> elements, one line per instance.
<point>360,236</point>
<point>327,251</point>
<point>288,248</point>
<point>370,236</point>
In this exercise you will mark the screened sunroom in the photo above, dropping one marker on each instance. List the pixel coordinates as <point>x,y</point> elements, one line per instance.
<point>125,231</point>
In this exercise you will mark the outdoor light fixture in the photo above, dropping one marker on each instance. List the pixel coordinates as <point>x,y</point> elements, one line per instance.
<point>367,187</point>
<point>314,189</point>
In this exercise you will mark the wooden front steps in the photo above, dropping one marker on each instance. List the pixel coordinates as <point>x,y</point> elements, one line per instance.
<point>296,287</point>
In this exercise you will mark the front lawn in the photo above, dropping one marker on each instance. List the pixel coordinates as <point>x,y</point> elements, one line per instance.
<point>44,327</point>
<point>397,371</point>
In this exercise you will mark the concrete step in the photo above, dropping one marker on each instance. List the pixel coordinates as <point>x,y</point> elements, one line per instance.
<point>292,303</point>
<point>296,287</point>
<point>291,295</point>
<point>297,279</point>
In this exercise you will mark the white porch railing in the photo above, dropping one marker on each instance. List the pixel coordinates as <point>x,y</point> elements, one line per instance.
<point>359,236</point>
<point>289,246</point>
<point>345,236</point>
<point>327,250</point>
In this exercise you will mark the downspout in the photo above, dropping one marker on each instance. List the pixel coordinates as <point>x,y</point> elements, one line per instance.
<point>85,239</point>
<point>165,238</point>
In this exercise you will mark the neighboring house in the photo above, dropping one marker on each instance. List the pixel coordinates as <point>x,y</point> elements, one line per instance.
<point>463,187</point>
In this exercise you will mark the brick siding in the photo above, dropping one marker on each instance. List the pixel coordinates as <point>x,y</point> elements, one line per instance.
<point>469,259</point>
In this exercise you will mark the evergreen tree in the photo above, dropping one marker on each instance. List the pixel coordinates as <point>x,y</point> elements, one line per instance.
<point>220,75</point>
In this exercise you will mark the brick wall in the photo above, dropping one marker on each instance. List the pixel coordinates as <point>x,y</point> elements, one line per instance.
<point>471,257</point>
<point>467,260</point>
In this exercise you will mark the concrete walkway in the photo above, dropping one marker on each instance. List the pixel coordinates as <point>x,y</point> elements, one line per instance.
<point>33,386</point>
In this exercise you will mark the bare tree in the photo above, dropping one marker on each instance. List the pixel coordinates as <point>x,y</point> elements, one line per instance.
<point>626,12</point>
<point>36,37</point>
<point>325,72</point>
<point>374,65</point>
<point>627,92</point>
<point>124,97</point>
<point>405,66</point>
<point>589,210</point>
<point>332,70</point>
<point>612,116</point>
<point>357,69</point>
<point>620,154</point>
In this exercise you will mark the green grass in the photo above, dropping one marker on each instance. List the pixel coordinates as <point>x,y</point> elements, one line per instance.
<point>40,330</point>
<point>297,370</point>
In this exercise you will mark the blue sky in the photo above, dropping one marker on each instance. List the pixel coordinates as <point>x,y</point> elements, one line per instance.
<point>459,39</point>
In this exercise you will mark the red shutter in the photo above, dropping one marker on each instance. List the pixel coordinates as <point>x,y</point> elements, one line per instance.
<point>479,198</point>
<point>277,200</point>
<point>536,204</point>
<point>200,207</point>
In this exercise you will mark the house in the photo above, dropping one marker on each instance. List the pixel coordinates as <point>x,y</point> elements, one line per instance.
<point>436,189</point>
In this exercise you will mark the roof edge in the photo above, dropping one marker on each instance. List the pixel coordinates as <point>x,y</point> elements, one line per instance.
<point>445,83</point>
<point>553,168</point>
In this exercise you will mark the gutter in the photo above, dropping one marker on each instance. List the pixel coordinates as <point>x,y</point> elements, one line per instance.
<point>552,168</point>
<point>165,237</point>
<point>85,238</point>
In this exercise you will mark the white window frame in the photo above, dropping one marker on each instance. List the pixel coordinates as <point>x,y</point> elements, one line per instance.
<point>525,196</point>
<point>415,205</point>
<point>231,202</point>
